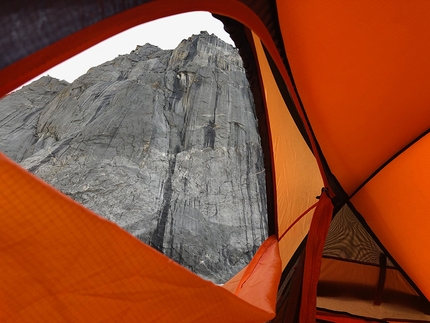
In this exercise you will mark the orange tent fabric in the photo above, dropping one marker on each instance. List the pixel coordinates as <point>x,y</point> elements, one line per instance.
<point>342,95</point>
<point>296,175</point>
<point>361,73</point>
<point>339,318</point>
<point>62,263</point>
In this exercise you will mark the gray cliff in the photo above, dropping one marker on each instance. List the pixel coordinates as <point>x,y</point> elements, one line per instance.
<point>162,142</point>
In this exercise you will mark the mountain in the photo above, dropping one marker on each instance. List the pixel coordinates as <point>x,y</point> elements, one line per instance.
<point>162,142</point>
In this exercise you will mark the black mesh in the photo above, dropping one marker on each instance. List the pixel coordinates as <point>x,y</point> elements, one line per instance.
<point>348,240</point>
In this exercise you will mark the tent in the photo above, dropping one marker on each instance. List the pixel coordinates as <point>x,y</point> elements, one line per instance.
<point>343,102</point>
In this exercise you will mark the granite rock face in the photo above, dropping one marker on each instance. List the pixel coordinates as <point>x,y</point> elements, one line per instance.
<point>162,142</point>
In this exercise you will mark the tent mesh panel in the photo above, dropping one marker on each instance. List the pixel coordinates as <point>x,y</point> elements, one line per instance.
<point>348,240</point>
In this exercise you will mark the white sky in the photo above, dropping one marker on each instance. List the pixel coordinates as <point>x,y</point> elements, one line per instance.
<point>165,33</point>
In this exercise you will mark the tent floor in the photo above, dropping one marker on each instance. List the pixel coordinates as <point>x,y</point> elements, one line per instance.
<point>405,309</point>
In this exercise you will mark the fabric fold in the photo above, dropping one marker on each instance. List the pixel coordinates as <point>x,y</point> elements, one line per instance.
<point>63,263</point>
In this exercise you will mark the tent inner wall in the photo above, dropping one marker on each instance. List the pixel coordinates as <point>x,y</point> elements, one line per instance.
<point>398,213</point>
<point>361,70</point>
<point>297,178</point>
<point>358,278</point>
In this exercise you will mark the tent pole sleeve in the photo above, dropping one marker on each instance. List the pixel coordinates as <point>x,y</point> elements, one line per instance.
<point>313,257</point>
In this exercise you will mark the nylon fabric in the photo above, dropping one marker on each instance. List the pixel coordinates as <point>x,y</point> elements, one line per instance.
<point>61,262</point>
<point>313,256</point>
<point>251,283</point>
<point>361,69</point>
<point>341,318</point>
<point>402,227</point>
<point>336,274</point>
<point>297,183</point>
<point>289,243</point>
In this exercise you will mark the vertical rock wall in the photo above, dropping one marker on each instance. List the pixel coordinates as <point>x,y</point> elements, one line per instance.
<point>164,143</point>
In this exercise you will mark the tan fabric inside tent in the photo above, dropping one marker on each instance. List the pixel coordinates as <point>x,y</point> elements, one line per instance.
<point>297,177</point>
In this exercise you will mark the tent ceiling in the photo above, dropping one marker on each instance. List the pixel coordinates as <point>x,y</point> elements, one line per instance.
<point>361,70</point>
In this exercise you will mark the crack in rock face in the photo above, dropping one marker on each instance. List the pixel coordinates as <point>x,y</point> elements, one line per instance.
<point>162,142</point>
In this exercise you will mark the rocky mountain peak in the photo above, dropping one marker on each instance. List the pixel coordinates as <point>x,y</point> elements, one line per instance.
<point>205,49</point>
<point>162,142</point>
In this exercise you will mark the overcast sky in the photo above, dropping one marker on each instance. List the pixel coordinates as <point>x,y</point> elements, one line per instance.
<point>165,33</point>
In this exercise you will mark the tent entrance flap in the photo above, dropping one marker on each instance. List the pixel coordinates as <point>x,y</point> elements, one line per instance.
<point>61,262</point>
